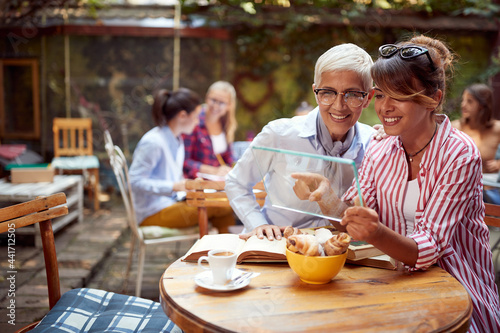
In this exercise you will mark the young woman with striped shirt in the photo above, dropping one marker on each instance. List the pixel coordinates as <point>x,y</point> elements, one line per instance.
<point>422,186</point>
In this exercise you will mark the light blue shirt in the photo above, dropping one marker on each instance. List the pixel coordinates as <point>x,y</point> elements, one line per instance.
<point>298,134</point>
<point>156,166</point>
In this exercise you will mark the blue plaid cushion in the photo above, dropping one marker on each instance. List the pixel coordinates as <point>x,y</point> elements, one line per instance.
<point>93,310</point>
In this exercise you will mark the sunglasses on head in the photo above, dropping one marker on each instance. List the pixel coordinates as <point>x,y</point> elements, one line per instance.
<point>407,52</point>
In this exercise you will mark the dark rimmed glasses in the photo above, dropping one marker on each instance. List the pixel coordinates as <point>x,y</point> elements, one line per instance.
<point>406,52</point>
<point>327,97</point>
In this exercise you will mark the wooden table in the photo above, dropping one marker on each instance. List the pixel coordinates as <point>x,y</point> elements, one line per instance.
<point>20,192</point>
<point>359,299</point>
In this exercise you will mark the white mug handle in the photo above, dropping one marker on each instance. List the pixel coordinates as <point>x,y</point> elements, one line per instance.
<point>200,261</point>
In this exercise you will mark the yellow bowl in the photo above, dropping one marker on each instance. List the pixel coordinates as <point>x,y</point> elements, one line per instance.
<point>315,270</point>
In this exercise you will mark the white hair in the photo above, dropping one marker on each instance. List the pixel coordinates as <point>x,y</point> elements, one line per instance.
<point>345,57</point>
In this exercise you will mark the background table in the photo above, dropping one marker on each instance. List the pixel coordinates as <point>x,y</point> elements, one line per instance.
<point>71,185</point>
<point>490,179</point>
<point>358,299</point>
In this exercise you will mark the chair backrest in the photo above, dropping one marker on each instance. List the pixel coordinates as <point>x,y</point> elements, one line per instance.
<point>492,215</point>
<point>108,143</point>
<point>120,169</point>
<point>41,210</point>
<point>72,136</point>
<point>209,193</point>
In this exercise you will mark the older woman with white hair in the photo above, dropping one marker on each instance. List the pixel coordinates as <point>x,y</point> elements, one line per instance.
<point>343,88</point>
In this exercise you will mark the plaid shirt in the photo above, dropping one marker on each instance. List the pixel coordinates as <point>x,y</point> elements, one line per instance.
<point>199,150</point>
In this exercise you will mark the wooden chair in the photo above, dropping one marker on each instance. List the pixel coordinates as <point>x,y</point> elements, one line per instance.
<point>492,219</point>
<point>73,310</point>
<point>492,215</point>
<point>73,152</point>
<point>208,193</point>
<point>143,235</point>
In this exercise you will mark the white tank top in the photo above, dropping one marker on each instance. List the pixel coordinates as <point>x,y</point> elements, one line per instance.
<point>219,143</point>
<point>410,204</point>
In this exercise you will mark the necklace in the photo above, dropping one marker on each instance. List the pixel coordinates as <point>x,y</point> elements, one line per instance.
<point>411,156</point>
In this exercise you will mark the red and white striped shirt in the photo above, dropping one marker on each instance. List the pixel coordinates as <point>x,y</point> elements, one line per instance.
<point>449,220</point>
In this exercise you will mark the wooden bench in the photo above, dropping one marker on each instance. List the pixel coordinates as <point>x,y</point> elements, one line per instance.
<point>209,193</point>
<point>72,186</point>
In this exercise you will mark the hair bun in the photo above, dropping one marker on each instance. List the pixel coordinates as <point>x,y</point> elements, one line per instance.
<point>440,53</point>
<point>165,93</point>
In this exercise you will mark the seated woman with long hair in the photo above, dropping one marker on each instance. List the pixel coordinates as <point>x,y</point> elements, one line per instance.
<point>156,172</point>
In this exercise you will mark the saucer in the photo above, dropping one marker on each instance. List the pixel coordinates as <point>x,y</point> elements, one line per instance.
<point>205,280</point>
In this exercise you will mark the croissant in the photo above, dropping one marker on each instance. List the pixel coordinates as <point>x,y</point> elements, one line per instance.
<point>307,245</point>
<point>289,231</point>
<point>337,244</point>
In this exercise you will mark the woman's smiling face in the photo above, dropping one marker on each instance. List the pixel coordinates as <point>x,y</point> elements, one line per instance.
<point>399,117</point>
<point>218,103</point>
<point>339,117</point>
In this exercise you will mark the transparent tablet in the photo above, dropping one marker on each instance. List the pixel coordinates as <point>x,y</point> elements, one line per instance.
<point>290,176</point>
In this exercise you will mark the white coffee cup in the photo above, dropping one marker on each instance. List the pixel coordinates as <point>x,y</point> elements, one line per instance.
<point>222,264</point>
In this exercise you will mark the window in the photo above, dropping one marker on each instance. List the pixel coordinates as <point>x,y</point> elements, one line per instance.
<point>19,99</point>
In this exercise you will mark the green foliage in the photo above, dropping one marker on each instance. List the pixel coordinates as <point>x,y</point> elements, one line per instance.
<point>19,11</point>
<point>270,35</point>
<point>273,40</point>
<point>353,8</point>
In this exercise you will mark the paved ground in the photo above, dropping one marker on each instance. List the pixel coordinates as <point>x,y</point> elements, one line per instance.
<point>91,254</point>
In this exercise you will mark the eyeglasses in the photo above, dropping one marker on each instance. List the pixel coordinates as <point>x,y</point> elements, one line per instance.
<point>328,96</point>
<point>217,103</point>
<point>406,52</point>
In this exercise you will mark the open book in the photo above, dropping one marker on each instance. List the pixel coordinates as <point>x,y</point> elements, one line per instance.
<point>208,176</point>
<point>251,250</point>
<point>263,250</point>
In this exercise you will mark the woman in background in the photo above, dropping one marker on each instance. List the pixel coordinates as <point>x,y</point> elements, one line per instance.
<point>477,122</point>
<point>156,171</point>
<point>208,147</point>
